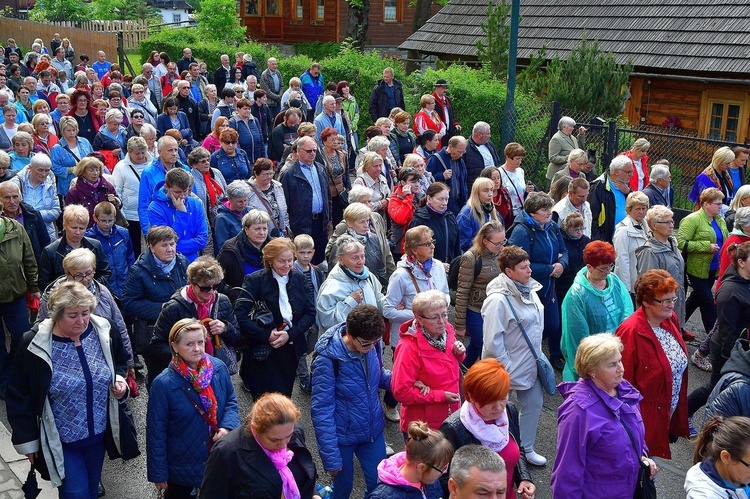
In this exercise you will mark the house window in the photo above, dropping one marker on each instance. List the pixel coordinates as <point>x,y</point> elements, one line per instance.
<point>391,10</point>
<point>724,121</point>
<point>252,8</point>
<point>176,18</point>
<point>319,9</point>
<point>298,9</point>
<point>724,115</point>
<point>272,8</point>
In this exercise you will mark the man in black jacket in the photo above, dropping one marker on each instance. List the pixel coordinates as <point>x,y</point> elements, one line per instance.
<point>30,218</point>
<point>284,134</point>
<point>480,153</point>
<point>608,192</point>
<point>187,105</point>
<point>386,95</point>
<point>444,107</point>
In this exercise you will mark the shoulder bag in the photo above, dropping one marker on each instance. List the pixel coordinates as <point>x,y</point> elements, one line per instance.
<point>222,351</point>
<point>261,315</point>
<point>266,205</point>
<point>543,367</point>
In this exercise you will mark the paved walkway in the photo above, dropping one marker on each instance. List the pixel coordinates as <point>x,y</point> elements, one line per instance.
<point>13,471</point>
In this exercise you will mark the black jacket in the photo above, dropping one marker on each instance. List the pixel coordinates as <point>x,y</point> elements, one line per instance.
<point>35,228</point>
<point>234,254</point>
<point>50,264</point>
<point>188,106</point>
<point>602,201</point>
<point>237,467</point>
<point>475,161</point>
<point>732,310</point>
<point>277,142</point>
<point>265,120</point>
<point>731,395</point>
<point>250,68</point>
<point>378,104</point>
<point>457,434</point>
<point>147,287</point>
<point>220,78</point>
<point>448,245</point>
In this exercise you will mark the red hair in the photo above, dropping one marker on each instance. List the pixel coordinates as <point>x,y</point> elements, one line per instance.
<point>653,283</point>
<point>486,381</point>
<point>598,253</point>
<point>327,133</point>
<point>341,85</point>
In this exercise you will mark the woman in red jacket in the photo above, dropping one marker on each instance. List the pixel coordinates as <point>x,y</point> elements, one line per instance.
<point>655,360</point>
<point>638,154</point>
<point>401,206</point>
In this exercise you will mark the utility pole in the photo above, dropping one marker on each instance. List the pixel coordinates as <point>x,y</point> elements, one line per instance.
<point>509,113</point>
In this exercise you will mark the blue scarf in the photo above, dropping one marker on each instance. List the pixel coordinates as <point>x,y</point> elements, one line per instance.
<point>363,276</point>
<point>165,267</point>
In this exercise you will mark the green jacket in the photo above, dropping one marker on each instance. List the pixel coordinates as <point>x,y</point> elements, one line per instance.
<point>696,232</point>
<point>584,313</point>
<point>18,270</point>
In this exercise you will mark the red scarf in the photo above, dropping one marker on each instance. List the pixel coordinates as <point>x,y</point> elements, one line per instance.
<point>212,188</point>
<point>204,312</point>
<point>200,380</point>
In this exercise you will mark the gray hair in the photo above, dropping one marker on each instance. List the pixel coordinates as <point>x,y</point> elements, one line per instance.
<point>345,244</point>
<point>536,201</point>
<point>253,217</point>
<point>641,145</point>
<point>659,172</point>
<point>328,98</point>
<point>137,144</point>
<point>474,456</point>
<point>565,121</point>
<point>657,213</point>
<point>69,294</point>
<point>38,160</point>
<point>148,129</point>
<point>358,192</point>
<point>377,142</point>
<point>79,258</point>
<point>619,163</point>
<point>112,115</point>
<point>480,127</point>
<point>428,300</point>
<point>210,86</point>
<point>742,217</point>
<point>238,189</point>
<point>162,141</point>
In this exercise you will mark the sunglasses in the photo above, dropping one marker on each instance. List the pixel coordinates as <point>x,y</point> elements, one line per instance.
<point>206,289</point>
<point>229,142</point>
<point>431,242</point>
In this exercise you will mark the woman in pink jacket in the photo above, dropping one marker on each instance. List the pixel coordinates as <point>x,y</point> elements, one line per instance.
<point>426,366</point>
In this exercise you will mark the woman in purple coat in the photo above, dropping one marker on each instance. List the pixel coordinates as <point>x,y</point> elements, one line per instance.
<point>91,187</point>
<point>600,438</point>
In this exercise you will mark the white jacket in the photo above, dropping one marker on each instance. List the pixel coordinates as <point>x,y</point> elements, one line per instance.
<point>49,204</point>
<point>698,485</point>
<point>628,239</point>
<point>127,185</point>
<point>564,207</point>
<point>503,339</point>
<point>401,291</point>
<point>334,302</point>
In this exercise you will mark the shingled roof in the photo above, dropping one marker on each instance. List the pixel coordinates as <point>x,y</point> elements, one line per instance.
<point>677,35</point>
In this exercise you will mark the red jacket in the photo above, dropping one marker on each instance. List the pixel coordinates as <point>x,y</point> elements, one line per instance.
<point>416,360</point>
<point>401,210</point>
<point>647,368</point>
<point>725,258</point>
<point>634,177</point>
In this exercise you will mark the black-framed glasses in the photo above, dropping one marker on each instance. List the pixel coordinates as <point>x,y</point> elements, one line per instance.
<point>443,316</point>
<point>441,471</point>
<point>498,244</point>
<point>606,270</point>
<point>668,222</point>
<point>81,277</point>
<point>431,242</point>
<point>667,302</point>
<point>206,289</point>
<point>367,344</point>
<point>137,116</point>
<point>229,141</point>
<point>743,462</point>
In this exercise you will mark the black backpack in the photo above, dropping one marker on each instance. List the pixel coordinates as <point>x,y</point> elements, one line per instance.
<point>455,266</point>
<point>530,232</point>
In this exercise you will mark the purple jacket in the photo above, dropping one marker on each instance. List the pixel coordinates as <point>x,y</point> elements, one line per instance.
<point>595,457</point>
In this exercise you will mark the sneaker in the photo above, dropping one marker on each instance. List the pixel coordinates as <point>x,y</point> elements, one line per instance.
<point>306,387</point>
<point>535,459</point>
<point>693,431</point>
<point>389,450</point>
<point>558,363</point>
<point>701,361</point>
<point>392,414</point>
<point>687,335</point>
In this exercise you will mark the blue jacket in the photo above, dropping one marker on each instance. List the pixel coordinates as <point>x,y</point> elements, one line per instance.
<point>226,226</point>
<point>459,193</point>
<point>164,123</point>
<point>63,162</point>
<point>119,250</point>
<point>312,87</point>
<point>300,195</point>
<point>152,178</point>
<point>177,437</point>
<point>250,138</point>
<point>191,226</point>
<point>232,168</point>
<point>345,404</point>
<point>468,226</point>
<point>148,287</point>
<point>548,244</point>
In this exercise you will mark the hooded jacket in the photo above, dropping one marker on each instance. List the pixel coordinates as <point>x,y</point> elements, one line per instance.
<point>345,404</point>
<point>445,230</point>
<point>393,485</point>
<point>602,201</point>
<point>334,300</point>
<point>503,339</point>
<point>627,239</point>
<point>152,179</point>
<point>18,266</point>
<point>595,456</point>
<point>191,225</point>
<point>732,310</point>
<point>49,208</point>
<point>585,312</point>
<point>731,395</point>
<point>657,255</point>
<point>702,480</point>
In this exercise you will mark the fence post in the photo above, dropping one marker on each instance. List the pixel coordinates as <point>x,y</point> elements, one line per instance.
<point>610,149</point>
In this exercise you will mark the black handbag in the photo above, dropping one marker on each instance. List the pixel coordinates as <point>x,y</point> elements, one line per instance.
<point>128,435</point>
<point>142,333</point>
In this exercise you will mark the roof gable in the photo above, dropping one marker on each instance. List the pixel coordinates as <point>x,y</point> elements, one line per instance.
<point>684,35</point>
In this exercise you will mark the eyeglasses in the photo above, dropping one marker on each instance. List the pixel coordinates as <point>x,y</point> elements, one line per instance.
<point>308,151</point>
<point>668,222</point>
<point>667,302</point>
<point>366,344</point>
<point>137,91</point>
<point>431,242</point>
<point>81,277</point>
<point>497,244</point>
<point>743,462</point>
<point>206,289</point>
<point>442,472</point>
<point>443,316</point>
<point>576,229</point>
<point>606,270</point>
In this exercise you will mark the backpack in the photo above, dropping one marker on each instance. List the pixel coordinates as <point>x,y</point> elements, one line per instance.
<point>530,233</point>
<point>453,274</point>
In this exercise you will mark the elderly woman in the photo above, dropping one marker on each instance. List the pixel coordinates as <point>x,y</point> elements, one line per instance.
<point>38,189</point>
<point>428,335</point>
<point>402,204</point>
<point>148,132</point>
<point>71,360</point>
<point>655,360</point>
<point>630,234</point>
<point>243,254</point>
<point>212,142</point>
<point>126,179</point>
<point>562,143</point>
<point>597,302</point>
<point>336,167</point>
<point>136,123</point>
<point>382,146</point>
<point>209,185</point>
<point>478,210</point>
<point>701,235</point>
<point>267,194</point>
<point>487,418</point>
<point>138,101</point>
<point>5,172</point>
<point>511,312</point>
<point>266,455</point>
<point>549,257</point>
<point>599,451</point>
<point>179,436</point>
<point>91,187</point>
<point>717,175</point>
<point>112,138</point>
<point>428,119</point>
<point>44,139</point>
<point>270,364</point>
<point>67,153</point>
<point>369,228</point>
<point>85,114</point>
<point>434,213</point>
<point>638,154</point>
<point>206,108</point>
<point>373,178</point>
<point>231,160</point>
<point>22,152</point>
<point>197,300</point>
<point>477,268</point>
<point>577,161</point>
<point>228,221</point>
<point>417,271</point>
<point>348,284</point>
<point>80,265</point>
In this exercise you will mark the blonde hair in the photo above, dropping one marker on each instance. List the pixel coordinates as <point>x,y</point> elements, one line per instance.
<point>357,211</point>
<point>476,205</point>
<point>78,259</point>
<point>636,198</point>
<point>87,162</point>
<point>69,294</point>
<point>594,349</point>
<point>304,241</point>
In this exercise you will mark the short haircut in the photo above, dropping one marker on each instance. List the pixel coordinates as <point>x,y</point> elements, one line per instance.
<point>40,160</point>
<point>69,294</point>
<point>373,131</point>
<point>306,129</point>
<point>426,100</point>
<point>428,300</point>
<point>486,381</point>
<point>112,115</point>
<point>359,192</point>
<point>474,456</point>
<point>657,213</point>
<point>594,349</point>
<point>577,155</point>
<point>565,121</point>
<point>572,220</point>
<point>197,154</point>
<point>740,150</point>
<point>456,141</point>
<point>414,236</point>
<point>229,135</point>
<point>357,211</point>
<point>636,198</point>
<point>366,322</point>
<point>742,217</point>
<point>480,127</point>
<point>711,195</point>
<point>514,150</point>
<point>304,242</point>
<point>274,248</point>
<point>640,144</point>
<point>402,117</point>
<point>659,172</point>
<point>79,258</point>
<point>598,253</point>
<point>238,189</point>
<point>75,213</point>
<point>345,244</point>
<point>578,183</point>
<point>253,217</point>
<point>4,159</point>
<point>227,92</point>
<point>536,201</point>
<point>510,256</point>
<point>327,133</point>
<point>259,93</point>
<point>271,409</point>
<point>243,103</point>
<point>160,233</point>
<point>652,283</point>
<point>378,142</point>
<point>162,141</point>
<point>24,137</point>
<point>619,163</point>
<point>205,269</point>
<point>382,122</point>
<point>179,178</point>
<point>104,208</point>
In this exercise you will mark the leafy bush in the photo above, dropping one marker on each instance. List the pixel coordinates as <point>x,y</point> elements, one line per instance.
<point>218,20</point>
<point>294,66</point>
<point>317,51</point>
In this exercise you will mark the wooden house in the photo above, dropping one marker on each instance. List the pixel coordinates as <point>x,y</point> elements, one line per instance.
<point>298,21</point>
<point>691,58</point>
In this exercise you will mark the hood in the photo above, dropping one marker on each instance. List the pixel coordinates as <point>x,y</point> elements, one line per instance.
<point>331,345</point>
<point>731,275</point>
<point>250,64</point>
<point>408,328</point>
<point>161,195</point>
<point>389,470</point>
<point>739,360</point>
<point>657,246</point>
<point>582,281</point>
<point>504,284</point>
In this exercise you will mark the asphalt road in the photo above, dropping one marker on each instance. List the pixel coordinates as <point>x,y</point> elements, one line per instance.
<point>128,480</point>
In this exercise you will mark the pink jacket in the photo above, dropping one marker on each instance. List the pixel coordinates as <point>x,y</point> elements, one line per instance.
<point>416,360</point>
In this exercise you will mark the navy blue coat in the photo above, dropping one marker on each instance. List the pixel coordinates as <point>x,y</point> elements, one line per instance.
<point>164,123</point>
<point>119,250</point>
<point>731,395</point>
<point>445,229</point>
<point>300,195</point>
<point>35,228</point>
<point>475,161</point>
<point>147,287</point>
<point>459,193</point>
<point>250,138</point>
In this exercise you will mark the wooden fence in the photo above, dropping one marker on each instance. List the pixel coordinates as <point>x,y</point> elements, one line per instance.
<point>133,32</point>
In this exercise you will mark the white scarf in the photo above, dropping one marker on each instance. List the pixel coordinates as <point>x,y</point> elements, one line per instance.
<point>494,436</point>
<point>284,307</point>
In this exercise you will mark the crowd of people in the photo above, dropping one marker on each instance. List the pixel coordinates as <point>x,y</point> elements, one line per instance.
<point>192,226</point>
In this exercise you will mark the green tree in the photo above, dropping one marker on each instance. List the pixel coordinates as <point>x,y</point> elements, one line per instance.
<point>219,20</point>
<point>494,53</point>
<point>116,10</point>
<point>358,22</point>
<point>60,10</point>
<point>589,80</point>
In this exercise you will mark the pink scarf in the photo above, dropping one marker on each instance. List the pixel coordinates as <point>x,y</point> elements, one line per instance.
<point>280,460</point>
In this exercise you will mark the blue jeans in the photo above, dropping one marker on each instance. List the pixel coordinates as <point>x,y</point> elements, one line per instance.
<point>16,318</point>
<point>474,326</point>
<point>369,454</point>
<point>83,470</point>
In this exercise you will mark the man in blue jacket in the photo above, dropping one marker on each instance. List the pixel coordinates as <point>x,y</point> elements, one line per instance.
<point>347,416</point>
<point>448,166</point>
<point>174,207</point>
<point>312,86</point>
